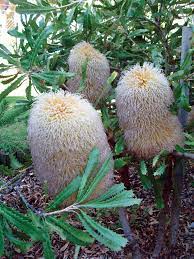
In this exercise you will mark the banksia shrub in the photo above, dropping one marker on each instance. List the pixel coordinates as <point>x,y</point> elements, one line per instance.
<point>62,131</point>
<point>97,71</point>
<point>143,98</point>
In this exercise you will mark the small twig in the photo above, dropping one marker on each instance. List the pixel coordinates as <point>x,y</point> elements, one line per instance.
<point>70,208</point>
<point>27,204</point>
<point>183,155</point>
<point>14,180</point>
<point>134,246</point>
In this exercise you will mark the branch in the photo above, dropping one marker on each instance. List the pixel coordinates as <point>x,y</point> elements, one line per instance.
<point>176,201</point>
<point>179,165</point>
<point>128,234</point>
<point>27,204</point>
<point>183,155</point>
<point>163,212</point>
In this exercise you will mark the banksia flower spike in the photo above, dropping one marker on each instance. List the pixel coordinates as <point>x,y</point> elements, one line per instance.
<point>63,129</point>
<point>97,71</point>
<point>143,98</point>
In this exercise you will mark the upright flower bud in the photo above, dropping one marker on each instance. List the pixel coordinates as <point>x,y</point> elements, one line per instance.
<point>143,99</point>
<point>97,71</point>
<point>62,131</point>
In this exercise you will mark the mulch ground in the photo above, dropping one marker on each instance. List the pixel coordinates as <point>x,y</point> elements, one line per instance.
<point>143,221</point>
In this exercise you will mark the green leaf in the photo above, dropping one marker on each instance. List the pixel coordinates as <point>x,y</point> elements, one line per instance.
<point>5,54</point>
<point>119,163</point>
<point>9,80</point>
<point>29,91</point>
<point>43,36</point>
<point>25,7</point>
<point>107,237</point>
<point>14,163</point>
<point>22,245</point>
<point>92,163</point>
<point>179,149</point>
<point>12,87</point>
<point>65,193</point>
<point>157,157</point>
<point>145,180</point>
<point>47,245</point>
<point>143,168</point>
<point>123,199</point>
<point>20,221</point>
<point>70,16</point>
<point>53,77</point>
<point>66,231</point>
<point>15,33</point>
<point>97,179</point>
<point>119,147</point>
<point>84,76</point>
<point>160,170</point>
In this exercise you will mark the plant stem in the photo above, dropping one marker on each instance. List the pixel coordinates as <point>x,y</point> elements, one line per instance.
<point>176,200</point>
<point>179,165</point>
<point>163,212</point>
<point>134,246</point>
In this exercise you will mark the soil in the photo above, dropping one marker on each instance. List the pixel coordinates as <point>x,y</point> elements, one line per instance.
<point>143,221</point>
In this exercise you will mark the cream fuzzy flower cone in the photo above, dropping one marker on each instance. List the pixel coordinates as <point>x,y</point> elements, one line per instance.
<point>62,131</point>
<point>143,99</point>
<point>97,71</point>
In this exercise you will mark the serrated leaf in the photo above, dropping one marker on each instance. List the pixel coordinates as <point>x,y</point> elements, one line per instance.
<point>65,193</point>
<point>14,163</point>
<point>157,157</point>
<point>12,87</point>
<point>119,147</point>
<point>92,163</point>
<point>121,200</point>
<point>66,231</point>
<point>43,36</point>
<point>145,180</point>
<point>47,245</point>
<point>143,168</point>
<point>179,149</point>
<point>8,57</point>
<point>91,186</point>
<point>22,245</point>
<point>15,33</point>
<point>20,221</point>
<point>9,80</point>
<point>110,239</point>
<point>119,163</point>
<point>160,170</point>
<point>84,76</point>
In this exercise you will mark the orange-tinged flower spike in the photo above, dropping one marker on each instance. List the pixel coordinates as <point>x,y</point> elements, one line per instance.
<point>143,98</point>
<point>62,131</point>
<point>97,71</point>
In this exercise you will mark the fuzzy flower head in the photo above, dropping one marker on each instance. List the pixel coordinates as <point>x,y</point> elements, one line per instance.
<point>143,99</point>
<point>97,71</point>
<point>62,131</point>
<point>146,76</point>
